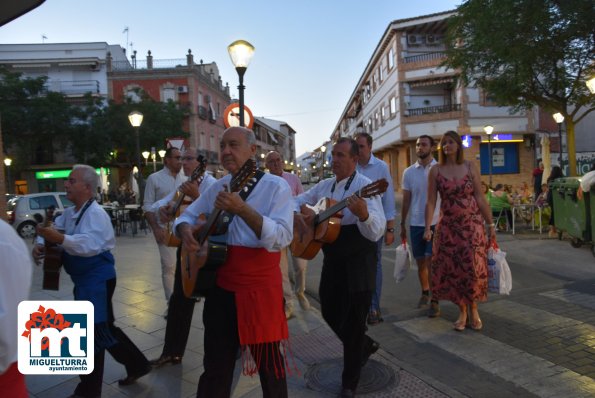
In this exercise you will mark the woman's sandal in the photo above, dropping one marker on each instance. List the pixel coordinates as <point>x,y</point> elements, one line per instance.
<point>459,326</point>
<point>477,326</point>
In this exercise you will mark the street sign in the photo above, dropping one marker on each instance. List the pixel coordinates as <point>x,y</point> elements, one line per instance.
<point>231,116</point>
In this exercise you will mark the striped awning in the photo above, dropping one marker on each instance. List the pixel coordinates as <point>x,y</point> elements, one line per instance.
<point>430,82</point>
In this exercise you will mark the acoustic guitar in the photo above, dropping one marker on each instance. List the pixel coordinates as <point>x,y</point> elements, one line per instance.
<point>197,175</point>
<point>199,268</point>
<point>52,261</point>
<point>327,222</point>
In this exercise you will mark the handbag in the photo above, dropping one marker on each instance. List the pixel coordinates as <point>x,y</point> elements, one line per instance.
<point>402,261</point>
<point>499,275</point>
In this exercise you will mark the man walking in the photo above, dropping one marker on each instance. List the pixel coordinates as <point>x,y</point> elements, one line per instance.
<point>415,189</point>
<point>274,163</point>
<point>159,185</point>
<point>349,265</point>
<point>376,169</point>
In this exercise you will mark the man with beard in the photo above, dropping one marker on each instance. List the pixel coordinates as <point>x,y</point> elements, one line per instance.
<point>415,191</point>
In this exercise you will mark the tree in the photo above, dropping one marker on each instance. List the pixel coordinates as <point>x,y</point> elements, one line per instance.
<point>528,53</point>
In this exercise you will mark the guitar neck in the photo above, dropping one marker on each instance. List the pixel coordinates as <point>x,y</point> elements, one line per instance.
<point>178,203</point>
<point>328,213</point>
<point>206,231</point>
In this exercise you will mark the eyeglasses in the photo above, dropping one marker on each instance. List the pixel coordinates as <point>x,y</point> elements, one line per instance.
<point>175,157</point>
<point>188,158</point>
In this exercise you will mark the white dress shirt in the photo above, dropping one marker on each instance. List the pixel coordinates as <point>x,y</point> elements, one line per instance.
<point>16,268</point>
<point>159,185</point>
<point>207,181</point>
<point>373,228</point>
<point>375,170</point>
<point>271,198</point>
<point>93,235</point>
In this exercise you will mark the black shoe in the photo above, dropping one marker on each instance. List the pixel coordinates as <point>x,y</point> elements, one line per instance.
<point>347,393</point>
<point>163,359</point>
<point>370,348</point>
<point>130,379</point>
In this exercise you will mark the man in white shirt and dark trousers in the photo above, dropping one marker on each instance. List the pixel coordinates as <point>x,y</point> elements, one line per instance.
<point>415,189</point>
<point>159,185</point>
<point>376,169</point>
<point>349,265</point>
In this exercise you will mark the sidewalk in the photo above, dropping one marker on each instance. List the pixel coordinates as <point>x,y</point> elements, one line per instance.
<point>139,304</point>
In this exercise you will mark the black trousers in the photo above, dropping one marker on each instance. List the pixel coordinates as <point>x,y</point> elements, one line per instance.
<point>179,316</point>
<point>221,348</point>
<point>345,312</point>
<point>124,351</point>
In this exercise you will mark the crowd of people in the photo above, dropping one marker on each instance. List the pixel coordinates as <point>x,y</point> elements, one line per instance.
<point>447,217</point>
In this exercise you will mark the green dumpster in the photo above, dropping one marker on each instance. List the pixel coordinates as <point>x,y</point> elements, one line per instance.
<point>591,201</point>
<point>570,213</point>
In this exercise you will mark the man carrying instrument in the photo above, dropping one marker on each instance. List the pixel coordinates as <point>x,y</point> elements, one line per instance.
<point>349,264</point>
<point>159,185</point>
<point>87,241</point>
<point>245,307</point>
<point>179,313</point>
<point>274,163</point>
<point>375,169</point>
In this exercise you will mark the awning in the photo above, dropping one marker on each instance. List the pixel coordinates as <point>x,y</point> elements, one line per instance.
<point>430,82</point>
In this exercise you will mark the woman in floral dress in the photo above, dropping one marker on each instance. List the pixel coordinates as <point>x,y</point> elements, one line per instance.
<point>459,262</point>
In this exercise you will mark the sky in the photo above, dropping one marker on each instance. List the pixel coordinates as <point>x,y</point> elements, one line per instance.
<point>309,54</point>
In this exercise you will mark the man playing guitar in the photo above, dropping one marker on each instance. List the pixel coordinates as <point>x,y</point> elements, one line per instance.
<point>349,265</point>
<point>245,308</point>
<point>180,309</point>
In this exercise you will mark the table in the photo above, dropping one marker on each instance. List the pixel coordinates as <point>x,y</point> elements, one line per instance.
<point>123,215</point>
<point>519,210</point>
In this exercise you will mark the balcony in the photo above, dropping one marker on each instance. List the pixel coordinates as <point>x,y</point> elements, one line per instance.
<point>441,112</point>
<point>73,88</point>
<point>425,60</point>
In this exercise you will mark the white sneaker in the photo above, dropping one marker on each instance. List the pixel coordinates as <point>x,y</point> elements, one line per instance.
<point>304,303</point>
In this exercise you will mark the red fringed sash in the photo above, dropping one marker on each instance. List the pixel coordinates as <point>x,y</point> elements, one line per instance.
<point>253,274</point>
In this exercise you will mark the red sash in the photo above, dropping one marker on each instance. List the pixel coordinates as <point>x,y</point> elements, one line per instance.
<point>12,383</point>
<point>254,275</point>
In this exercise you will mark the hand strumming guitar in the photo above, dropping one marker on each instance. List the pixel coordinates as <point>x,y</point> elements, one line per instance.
<point>189,188</point>
<point>304,221</point>
<point>50,234</point>
<point>187,232</point>
<point>166,213</point>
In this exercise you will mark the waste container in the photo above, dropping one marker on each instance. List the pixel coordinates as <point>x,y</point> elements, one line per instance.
<point>591,202</point>
<point>570,212</point>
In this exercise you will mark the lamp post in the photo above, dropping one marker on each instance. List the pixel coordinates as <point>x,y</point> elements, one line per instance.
<point>136,119</point>
<point>8,163</point>
<point>489,130</point>
<point>146,156</point>
<point>241,53</point>
<point>559,118</point>
<point>323,150</point>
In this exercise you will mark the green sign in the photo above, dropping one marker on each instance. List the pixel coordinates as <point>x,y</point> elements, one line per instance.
<point>44,175</point>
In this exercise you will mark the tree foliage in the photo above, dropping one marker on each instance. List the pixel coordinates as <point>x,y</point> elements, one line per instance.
<point>526,53</point>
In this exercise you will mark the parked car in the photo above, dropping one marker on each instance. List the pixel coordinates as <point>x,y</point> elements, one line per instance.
<point>25,212</point>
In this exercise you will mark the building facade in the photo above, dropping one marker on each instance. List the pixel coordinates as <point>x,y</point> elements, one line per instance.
<point>404,93</point>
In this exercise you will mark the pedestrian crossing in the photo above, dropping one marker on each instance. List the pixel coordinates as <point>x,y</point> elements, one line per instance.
<point>496,353</point>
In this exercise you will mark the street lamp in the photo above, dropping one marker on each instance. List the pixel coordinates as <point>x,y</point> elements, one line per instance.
<point>146,156</point>
<point>8,163</point>
<point>323,150</point>
<point>559,118</point>
<point>136,119</point>
<point>489,130</point>
<point>591,84</point>
<point>241,53</point>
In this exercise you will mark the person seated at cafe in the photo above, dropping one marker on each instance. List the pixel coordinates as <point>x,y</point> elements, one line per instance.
<point>541,203</point>
<point>501,202</point>
<point>524,193</point>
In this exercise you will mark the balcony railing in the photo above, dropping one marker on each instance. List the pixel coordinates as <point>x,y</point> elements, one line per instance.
<point>142,64</point>
<point>75,87</point>
<point>424,57</point>
<point>433,109</point>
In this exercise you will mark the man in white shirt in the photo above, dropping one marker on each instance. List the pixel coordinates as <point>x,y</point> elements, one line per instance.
<point>244,308</point>
<point>375,169</point>
<point>415,190</point>
<point>16,268</point>
<point>274,163</point>
<point>159,185</point>
<point>349,265</point>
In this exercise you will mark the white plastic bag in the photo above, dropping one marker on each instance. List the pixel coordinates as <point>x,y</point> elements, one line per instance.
<point>402,262</point>
<point>499,276</point>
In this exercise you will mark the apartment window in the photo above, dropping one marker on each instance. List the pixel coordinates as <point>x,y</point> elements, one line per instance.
<point>369,126</point>
<point>133,95</point>
<point>382,114</point>
<point>201,141</point>
<point>393,106</point>
<point>390,59</point>
<point>381,72</point>
<point>486,99</point>
<point>199,98</point>
<point>376,120</point>
<point>168,93</point>
<point>374,82</point>
<point>213,144</point>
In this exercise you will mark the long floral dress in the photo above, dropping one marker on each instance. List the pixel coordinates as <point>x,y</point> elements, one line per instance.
<point>459,261</point>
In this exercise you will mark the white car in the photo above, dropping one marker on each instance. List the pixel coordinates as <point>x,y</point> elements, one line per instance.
<point>25,212</point>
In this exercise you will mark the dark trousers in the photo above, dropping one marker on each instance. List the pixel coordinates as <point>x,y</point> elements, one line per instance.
<point>345,312</point>
<point>179,316</point>
<point>124,351</point>
<point>221,347</point>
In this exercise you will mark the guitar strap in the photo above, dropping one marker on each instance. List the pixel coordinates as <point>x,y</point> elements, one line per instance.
<point>244,193</point>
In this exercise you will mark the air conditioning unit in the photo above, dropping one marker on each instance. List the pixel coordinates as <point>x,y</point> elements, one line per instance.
<point>182,89</point>
<point>433,40</point>
<point>415,40</point>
